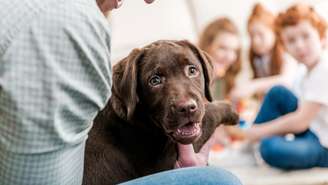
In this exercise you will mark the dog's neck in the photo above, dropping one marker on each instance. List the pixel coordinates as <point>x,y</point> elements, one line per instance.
<point>141,127</point>
<point>156,146</point>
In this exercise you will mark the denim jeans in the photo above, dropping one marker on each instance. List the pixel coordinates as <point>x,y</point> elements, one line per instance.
<point>304,151</point>
<point>188,176</point>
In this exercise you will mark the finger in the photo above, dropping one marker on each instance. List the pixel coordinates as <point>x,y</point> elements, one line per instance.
<point>107,5</point>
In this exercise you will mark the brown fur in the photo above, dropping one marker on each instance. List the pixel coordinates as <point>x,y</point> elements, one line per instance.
<point>131,136</point>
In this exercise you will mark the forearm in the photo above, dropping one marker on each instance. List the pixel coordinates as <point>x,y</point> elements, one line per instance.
<point>295,122</point>
<point>289,123</point>
<point>264,84</point>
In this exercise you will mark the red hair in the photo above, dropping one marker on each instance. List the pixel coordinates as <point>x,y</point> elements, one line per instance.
<point>263,16</point>
<point>300,12</point>
<point>207,38</point>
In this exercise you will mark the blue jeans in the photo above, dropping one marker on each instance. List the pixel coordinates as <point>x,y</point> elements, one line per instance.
<point>305,151</point>
<point>188,176</point>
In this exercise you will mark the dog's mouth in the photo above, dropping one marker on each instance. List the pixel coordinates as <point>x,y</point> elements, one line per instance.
<point>187,133</point>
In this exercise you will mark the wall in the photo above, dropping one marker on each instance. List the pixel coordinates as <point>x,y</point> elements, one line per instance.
<point>136,24</point>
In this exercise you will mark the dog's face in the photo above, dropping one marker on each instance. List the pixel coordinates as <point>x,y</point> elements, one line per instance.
<point>170,81</point>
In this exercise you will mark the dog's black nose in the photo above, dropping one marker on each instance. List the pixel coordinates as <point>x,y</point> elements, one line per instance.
<point>187,107</point>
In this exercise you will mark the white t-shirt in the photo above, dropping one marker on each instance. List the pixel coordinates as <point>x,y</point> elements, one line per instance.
<point>296,85</point>
<point>292,72</point>
<point>315,89</point>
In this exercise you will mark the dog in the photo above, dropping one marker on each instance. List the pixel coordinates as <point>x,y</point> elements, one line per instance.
<point>160,97</point>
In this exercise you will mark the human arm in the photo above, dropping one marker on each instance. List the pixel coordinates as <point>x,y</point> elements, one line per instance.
<point>295,122</point>
<point>261,85</point>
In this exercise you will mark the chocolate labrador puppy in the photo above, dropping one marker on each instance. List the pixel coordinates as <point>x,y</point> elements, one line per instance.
<point>160,97</point>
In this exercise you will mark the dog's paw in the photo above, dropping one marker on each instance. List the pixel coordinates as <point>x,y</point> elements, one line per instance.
<point>225,114</point>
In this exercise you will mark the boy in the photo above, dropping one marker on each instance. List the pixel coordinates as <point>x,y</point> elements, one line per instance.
<point>302,33</point>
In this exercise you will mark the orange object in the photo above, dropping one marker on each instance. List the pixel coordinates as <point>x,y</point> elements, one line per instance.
<point>240,106</point>
<point>217,148</point>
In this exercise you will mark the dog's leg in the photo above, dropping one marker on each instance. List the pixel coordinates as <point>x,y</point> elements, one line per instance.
<point>216,113</point>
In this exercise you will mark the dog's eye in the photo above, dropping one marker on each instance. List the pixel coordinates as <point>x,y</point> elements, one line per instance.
<point>192,71</point>
<point>155,80</point>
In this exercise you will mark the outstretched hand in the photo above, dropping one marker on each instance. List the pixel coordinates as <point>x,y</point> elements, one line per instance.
<point>254,134</point>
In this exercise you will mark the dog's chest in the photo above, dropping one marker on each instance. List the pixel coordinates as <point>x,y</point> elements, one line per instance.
<point>148,151</point>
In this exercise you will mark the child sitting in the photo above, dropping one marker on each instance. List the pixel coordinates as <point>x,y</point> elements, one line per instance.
<point>270,64</point>
<point>302,33</point>
<point>220,39</point>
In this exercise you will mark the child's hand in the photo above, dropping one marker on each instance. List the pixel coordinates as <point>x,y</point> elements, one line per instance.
<point>253,134</point>
<point>236,133</point>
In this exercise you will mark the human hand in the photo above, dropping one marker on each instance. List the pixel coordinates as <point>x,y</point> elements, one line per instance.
<point>253,134</point>
<point>108,5</point>
<point>236,133</point>
<point>188,157</point>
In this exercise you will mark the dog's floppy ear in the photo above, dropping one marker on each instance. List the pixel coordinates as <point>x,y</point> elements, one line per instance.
<point>206,65</point>
<point>124,91</point>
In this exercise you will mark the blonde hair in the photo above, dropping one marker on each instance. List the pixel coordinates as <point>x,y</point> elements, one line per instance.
<point>263,16</point>
<point>207,38</point>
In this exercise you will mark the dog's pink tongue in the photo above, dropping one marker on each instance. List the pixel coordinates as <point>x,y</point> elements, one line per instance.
<point>187,156</point>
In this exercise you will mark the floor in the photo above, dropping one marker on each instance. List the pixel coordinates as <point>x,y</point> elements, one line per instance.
<point>251,173</point>
<point>270,176</point>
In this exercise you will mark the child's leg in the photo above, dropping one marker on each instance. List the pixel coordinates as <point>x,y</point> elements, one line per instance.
<point>303,152</point>
<point>277,102</point>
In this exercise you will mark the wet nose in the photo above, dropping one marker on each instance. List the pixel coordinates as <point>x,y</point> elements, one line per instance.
<point>187,107</point>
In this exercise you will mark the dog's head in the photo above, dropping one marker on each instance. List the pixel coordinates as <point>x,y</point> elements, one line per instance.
<point>169,81</point>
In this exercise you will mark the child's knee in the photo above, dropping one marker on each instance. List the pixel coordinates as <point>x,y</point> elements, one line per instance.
<point>270,152</point>
<point>267,150</point>
<point>277,154</point>
<point>278,90</point>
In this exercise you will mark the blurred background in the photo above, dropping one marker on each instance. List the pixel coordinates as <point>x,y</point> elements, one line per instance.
<point>135,25</point>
